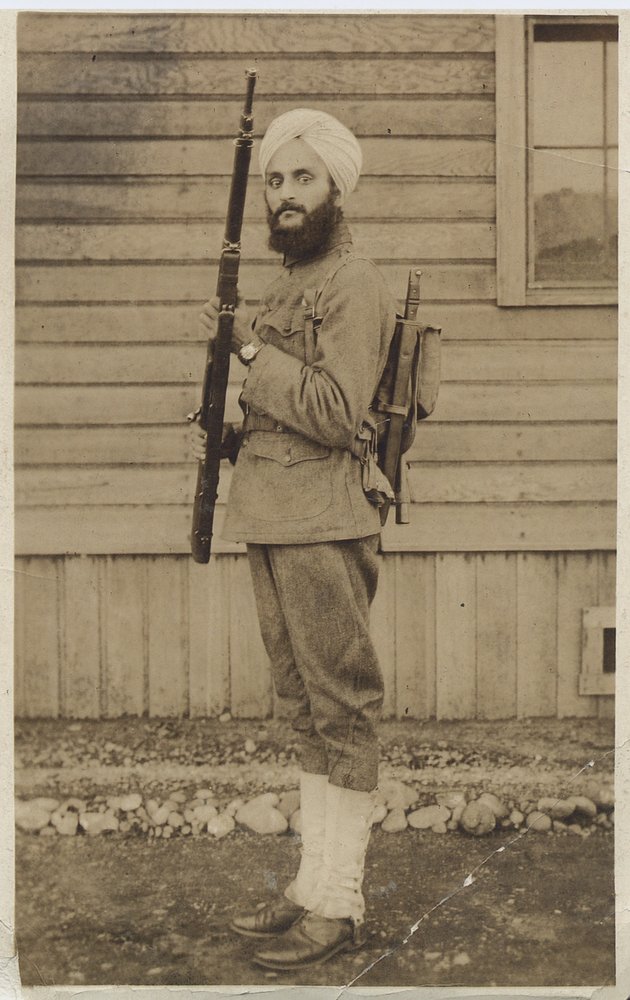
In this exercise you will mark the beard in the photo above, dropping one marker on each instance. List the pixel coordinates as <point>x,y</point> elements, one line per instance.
<point>310,235</point>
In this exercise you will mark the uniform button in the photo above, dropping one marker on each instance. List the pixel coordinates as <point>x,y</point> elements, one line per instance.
<point>279,428</point>
<point>287,457</point>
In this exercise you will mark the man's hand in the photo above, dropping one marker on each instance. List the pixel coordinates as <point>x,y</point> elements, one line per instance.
<point>241,330</point>
<point>230,443</point>
<point>197,440</point>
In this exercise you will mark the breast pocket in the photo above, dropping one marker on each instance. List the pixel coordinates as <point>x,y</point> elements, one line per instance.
<point>284,328</point>
<point>293,477</point>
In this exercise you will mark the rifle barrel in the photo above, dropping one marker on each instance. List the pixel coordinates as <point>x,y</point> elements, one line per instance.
<point>212,409</point>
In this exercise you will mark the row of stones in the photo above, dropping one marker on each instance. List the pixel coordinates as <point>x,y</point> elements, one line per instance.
<point>396,808</point>
<point>481,815</point>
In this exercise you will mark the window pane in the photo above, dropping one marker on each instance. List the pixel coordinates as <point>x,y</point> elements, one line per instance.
<point>580,170</point>
<point>572,241</point>
<point>568,94</point>
<point>568,30</point>
<point>610,652</point>
<point>612,92</point>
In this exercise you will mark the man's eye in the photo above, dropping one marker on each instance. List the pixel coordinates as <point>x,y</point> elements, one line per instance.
<point>273,182</point>
<point>304,178</point>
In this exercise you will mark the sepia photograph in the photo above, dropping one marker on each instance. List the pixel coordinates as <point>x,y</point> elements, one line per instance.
<point>332,293</point>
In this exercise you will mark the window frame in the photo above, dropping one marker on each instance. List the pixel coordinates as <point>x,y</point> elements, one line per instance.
<point>512,191</point>
<point>592,679</point>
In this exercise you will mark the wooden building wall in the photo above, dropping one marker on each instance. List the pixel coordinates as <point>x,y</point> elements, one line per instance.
<point>125,126</point>
<point>486,635</point>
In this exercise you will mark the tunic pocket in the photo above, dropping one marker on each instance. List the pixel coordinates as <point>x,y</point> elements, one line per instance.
<point>293,477</point>
<point>285,329</point>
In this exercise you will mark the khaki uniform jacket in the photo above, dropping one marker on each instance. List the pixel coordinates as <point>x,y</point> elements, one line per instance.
<point>295,481</point>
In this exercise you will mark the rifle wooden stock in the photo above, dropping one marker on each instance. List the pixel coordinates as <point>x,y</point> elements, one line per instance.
<point>211,411</point>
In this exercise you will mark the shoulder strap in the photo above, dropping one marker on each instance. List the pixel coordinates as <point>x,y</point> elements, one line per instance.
<point>310,299</point>
<point>310,336</point>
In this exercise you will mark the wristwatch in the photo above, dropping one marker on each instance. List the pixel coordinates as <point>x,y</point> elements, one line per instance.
<point>249,351</point>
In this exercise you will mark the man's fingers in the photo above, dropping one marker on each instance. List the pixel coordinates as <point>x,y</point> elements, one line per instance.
<point>209,324</point>
<point>198,442</point>
<point>211,307</point>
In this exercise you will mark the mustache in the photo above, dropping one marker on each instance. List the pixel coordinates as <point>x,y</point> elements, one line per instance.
<point>288,206</point>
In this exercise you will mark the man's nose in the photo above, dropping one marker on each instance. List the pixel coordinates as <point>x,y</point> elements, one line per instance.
<point>287,190</point>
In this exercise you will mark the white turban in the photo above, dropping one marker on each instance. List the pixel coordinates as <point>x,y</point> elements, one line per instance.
<point>331,140</point>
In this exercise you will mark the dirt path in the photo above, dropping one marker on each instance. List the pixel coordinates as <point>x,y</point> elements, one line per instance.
<point>122,910</point>
<point>126,910</point>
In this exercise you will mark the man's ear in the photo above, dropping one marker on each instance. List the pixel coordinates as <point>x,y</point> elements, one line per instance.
<point>336,193</point>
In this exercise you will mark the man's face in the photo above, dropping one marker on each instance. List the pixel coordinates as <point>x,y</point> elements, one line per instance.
<point>302,205</point>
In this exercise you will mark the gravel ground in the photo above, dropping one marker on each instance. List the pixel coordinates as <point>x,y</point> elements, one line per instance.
<point>152,756</point>
<point>119,909</point>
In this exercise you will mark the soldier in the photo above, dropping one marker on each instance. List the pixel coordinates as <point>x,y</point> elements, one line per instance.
<point>298,501</point>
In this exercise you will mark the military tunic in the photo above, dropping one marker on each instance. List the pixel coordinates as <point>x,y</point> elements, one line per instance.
<point>295,479</point>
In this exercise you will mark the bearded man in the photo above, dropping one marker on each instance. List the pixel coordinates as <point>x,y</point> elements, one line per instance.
<point>297,501</point>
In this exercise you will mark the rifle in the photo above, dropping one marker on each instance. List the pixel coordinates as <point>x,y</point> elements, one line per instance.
<point>210,413</point>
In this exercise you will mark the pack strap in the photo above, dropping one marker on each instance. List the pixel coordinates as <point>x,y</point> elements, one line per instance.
<point>393,408</point>
<point>310,335</point>
<point>309,301</point>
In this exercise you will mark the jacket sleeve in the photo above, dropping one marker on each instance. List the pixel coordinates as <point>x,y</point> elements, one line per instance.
<point>327,400</point>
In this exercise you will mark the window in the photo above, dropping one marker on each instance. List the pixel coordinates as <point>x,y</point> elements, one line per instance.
<point>557,158</point>
<point>609,656</point>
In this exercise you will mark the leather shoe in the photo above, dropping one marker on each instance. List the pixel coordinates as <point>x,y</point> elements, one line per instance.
<point>268,919</point>
<point>312,940</point>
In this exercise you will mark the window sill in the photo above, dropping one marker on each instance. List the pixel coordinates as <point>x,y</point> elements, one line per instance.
<point>566,297</point>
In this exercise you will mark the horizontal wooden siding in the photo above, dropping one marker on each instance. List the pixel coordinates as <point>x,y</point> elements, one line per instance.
<point>125,127</point>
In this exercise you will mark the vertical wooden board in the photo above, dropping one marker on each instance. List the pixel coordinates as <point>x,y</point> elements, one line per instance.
<point>208,637</point>
<point>511,165</point>
<point>167,636</point>
<point>606,570</point>
<point>124,643</point>
<point>496,635</point>
<point>19,631</point>
<point>577,589</point>
<point>80,668</point>
<point>383,629</point>
<point>250,675</point>
<point>415,636</point>
<point>607,590</point>
<point>455,614</point>
<point>39,613</point>
<point>537,597</point>
<point>606,708</point>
